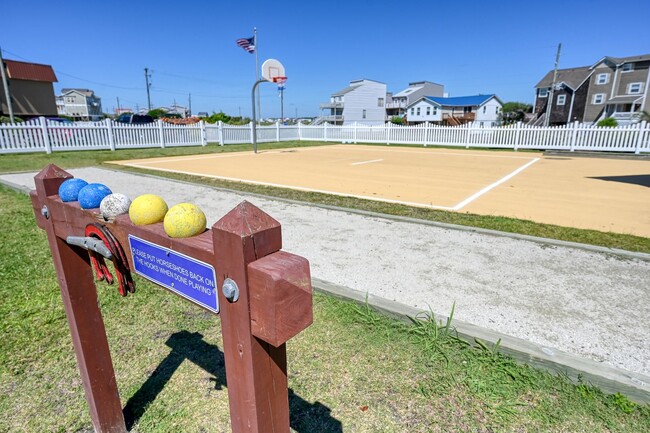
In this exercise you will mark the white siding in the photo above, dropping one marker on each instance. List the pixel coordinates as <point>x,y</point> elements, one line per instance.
<point>422,105</point>
<point>365,97</point>
<point>491,114</point>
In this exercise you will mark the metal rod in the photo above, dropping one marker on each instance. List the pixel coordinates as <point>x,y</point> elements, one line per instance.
<point>257,83</point>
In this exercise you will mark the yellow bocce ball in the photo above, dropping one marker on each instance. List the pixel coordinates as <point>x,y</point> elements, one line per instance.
<point>184,220</point>
<point>147,209</point>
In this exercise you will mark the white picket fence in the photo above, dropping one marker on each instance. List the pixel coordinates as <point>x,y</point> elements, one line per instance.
<point>41,135</point>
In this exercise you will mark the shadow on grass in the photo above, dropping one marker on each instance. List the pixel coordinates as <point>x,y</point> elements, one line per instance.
<point>304,416</point>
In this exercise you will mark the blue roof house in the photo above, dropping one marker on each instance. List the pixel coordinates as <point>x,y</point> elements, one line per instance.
<point>480,110</point>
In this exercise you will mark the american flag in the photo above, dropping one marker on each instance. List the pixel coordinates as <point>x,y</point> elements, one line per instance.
<point>247,43</point>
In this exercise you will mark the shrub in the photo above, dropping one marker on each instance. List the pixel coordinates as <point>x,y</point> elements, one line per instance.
<point>608,122</point>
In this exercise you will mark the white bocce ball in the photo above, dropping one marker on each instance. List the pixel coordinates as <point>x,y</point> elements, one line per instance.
<point>113,205</point>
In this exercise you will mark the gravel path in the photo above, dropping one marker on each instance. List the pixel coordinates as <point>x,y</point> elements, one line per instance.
<point>591,304</point>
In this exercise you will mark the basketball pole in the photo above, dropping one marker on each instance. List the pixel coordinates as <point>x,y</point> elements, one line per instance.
<point>257,83</point>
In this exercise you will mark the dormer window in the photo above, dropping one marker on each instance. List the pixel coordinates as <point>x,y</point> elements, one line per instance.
<point>627,67</point>
<point>602,78</point>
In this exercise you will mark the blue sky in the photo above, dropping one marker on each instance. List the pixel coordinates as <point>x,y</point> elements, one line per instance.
<point>470,47</point>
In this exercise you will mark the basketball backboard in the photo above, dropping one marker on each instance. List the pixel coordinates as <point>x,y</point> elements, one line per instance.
<point>272,70</point>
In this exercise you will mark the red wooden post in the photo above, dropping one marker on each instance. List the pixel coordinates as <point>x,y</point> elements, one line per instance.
<point>84,317</point>
<point>256,371</point>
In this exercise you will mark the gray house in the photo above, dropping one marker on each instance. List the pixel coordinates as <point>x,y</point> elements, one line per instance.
<point>80,104</point>
<point>612,87</point>
<point>363,101</point>
<point>396,104</point>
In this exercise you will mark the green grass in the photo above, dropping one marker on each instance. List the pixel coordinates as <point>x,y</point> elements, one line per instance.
<point>351,371</point>
<point>35,162</point>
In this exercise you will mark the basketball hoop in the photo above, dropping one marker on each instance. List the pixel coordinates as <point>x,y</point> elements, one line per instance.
<point>280,82</point>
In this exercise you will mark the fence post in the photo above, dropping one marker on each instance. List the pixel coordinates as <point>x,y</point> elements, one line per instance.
<point>250,127</point>
<point>467,135</point>
<point>426,133</point>
<point>109,129</point>
<point>388,129</point>
<point>220,133</point>
<point>204,135</point>
<point>325,131</point>
<point>354,134</point>
<point>517,136</point>
<point>299,131</point>
<point>161,132</point>
<point>639,137</point>
<point>277,130</point>
<point>46,135</point>
<point>574,136</point>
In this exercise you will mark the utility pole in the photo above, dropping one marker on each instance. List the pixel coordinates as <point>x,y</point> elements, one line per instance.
<point>5,84</point>
<point>549,102</point>
<point>147,75</point>
<point>119,109</point>
<point>190,107</point>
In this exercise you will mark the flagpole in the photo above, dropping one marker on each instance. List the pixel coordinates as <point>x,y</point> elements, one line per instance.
<point>257,69</point>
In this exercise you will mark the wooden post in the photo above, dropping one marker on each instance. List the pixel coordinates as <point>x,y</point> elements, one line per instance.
<point>256,371</point>
<point>162,133</point>
<point>79,295</point>
<point>204,136</point>
<point>46,134</point>
<point>639,137</point>
<point>111,139</point>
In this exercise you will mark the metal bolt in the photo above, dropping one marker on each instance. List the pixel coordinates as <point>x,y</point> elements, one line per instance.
<point>230,290</point>
<point>45,212</point>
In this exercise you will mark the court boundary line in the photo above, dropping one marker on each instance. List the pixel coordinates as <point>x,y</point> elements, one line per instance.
<point>490,187</point>
<point>341,146</point>
<point>456,207</point>
<point>299,188</point>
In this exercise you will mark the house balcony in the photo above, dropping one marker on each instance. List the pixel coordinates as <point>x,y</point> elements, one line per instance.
<point>333,118</point>
<point>331,105</point>
<point>466,117</point>
<point>396,104</point>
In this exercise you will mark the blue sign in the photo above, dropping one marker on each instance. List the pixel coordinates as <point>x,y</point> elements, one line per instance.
<point>194,280</point>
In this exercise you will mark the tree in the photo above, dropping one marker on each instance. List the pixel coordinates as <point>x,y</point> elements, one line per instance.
<point>157,113</point>
<point>608,122</point>
<point>216,117</point>
<point>513,112</point>
<point>396,120</point>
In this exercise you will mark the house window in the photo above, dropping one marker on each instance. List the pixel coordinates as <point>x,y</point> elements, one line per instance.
<point>627,67</point>
<point>602,78</point>
<point>412,111</point>
<point>484,110</point>
<point>634,88</point>
<point>428,111</point>
<point>435,111</point>
<point>380,102</point>
<point>561,99</point>
<point>418,111</point>
<point>363,114</point>
<point>543,93</point>
<point>598,99</point>
<point>496,111</point>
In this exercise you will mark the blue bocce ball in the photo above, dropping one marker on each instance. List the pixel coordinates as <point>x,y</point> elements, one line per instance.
<point>69,190</point>
<point>92,195</point>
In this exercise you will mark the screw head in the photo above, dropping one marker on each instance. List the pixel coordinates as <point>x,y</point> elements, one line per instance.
<point>45,212</point>
<point>230,290</point>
